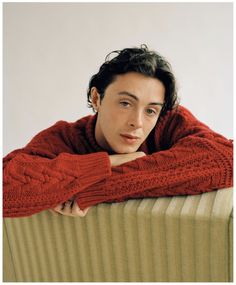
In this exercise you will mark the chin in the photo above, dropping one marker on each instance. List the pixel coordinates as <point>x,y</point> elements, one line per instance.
<point>125,149</point>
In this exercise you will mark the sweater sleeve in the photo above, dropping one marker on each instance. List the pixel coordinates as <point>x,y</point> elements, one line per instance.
<point>46,173</point>
<point>195,160</point>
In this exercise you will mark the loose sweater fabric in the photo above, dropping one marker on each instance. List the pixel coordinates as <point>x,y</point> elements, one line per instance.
<point>183,157</point>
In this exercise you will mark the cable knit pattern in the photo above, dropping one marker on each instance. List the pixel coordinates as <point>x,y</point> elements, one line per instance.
<point>184,157</point>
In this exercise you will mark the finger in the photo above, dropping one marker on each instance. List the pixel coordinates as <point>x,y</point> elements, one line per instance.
<point>54,212</point>
<point>83,212</point>
<point>67,209</point>
<point>86,210</point>
<point>76,211</point>
<point>59,208</point>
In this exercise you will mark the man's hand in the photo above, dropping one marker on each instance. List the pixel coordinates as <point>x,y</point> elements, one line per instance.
<point>118,159</point>
<point>69,208</point>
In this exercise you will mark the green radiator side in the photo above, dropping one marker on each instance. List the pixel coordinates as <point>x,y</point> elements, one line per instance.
<point>168,239</point>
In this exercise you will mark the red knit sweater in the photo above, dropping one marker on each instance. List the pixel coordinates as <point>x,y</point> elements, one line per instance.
<point>183,157</point>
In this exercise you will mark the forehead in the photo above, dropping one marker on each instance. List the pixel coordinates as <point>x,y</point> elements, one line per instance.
<point>143,87</point>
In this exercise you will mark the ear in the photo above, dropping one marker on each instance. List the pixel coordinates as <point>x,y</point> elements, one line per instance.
<point>95,97</point>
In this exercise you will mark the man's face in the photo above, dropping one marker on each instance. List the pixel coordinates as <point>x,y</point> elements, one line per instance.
<point>128,112</point>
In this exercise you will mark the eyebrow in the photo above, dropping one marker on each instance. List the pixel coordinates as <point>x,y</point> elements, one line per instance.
<point>137,99</point>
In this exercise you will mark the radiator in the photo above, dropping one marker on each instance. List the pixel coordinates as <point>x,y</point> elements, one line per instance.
<point>168,239</point>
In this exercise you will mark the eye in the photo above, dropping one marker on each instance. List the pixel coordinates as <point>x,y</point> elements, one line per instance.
<point>124,103</point>
<point>151,112</point>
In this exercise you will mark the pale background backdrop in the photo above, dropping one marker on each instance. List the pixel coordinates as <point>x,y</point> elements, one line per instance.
<point>50,51</point>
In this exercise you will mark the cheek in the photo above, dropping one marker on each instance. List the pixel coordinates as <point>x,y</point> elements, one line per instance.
<point>115,115</point>
<point>149,127</point>
<point>111,117</point>
<point>109,120</point>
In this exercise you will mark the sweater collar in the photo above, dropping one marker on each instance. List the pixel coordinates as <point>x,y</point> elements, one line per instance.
<point>90,133</point>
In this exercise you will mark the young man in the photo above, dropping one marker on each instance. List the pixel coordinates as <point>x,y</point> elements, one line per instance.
<point>139,143</point>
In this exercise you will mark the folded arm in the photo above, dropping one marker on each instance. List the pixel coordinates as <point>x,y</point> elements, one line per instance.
<point>195,160</point>
<point>46,173</point>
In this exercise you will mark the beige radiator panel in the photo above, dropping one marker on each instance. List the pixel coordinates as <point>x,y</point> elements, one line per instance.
<point>184,238</point>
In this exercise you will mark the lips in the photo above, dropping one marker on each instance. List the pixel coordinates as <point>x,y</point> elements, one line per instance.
<point>128,136</point>
<point>129,139</point>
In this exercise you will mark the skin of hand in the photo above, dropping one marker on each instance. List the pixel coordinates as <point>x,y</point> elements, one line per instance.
<point>118,159</point>
<point>70,208</point>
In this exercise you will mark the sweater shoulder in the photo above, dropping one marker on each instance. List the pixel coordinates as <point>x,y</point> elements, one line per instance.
<point>65,126</point>
<point>181,117</point>
<point>179,123</point>
<point>180,112</point>
<point>63,136</point>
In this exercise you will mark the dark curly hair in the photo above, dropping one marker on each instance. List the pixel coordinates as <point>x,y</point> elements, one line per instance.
<point>140,60</point>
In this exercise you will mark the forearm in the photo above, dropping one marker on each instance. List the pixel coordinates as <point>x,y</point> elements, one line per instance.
<point>33,183</point>
<point>178,171</point>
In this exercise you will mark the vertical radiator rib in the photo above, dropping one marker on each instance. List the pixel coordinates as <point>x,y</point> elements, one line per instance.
<point>168,239</point>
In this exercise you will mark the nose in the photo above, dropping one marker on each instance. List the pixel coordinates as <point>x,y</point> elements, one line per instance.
<point>135,120</point>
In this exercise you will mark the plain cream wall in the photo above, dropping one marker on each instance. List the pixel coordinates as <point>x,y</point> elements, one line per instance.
<point>50,51</point>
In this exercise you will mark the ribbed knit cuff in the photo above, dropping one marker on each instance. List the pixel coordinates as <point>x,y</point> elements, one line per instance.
<point>87,168</point>
<point>94,195</point>
<point>93,168</point>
